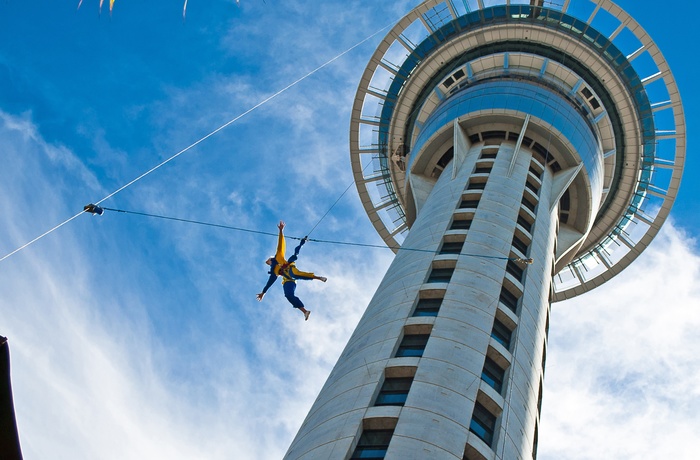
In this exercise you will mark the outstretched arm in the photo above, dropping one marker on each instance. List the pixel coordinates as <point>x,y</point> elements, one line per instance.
<point>269,283</point>
<point>281,244</point>
<point>297,249</point>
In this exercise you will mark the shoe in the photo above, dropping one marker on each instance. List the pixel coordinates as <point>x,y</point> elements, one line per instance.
<point>323,278</point>
<point>306,315</point>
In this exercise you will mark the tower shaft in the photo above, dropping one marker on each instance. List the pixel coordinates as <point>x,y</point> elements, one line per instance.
<point>476,385</point>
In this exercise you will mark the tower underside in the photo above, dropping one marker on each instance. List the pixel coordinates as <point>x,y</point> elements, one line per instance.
<point>518,158</point>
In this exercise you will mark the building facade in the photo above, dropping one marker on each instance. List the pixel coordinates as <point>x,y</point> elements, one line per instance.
<point>512,154</point>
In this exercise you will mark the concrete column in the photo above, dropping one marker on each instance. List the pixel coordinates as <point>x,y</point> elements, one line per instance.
<point>436,417</point>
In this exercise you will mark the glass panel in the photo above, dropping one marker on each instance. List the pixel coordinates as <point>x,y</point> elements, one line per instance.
<point>466,204</point>
<point>508,299</point>
<point>483,423</point>
<point>461,224</point>
<point>373,444</point>
<point>451,247</point>
<point>412,345</point>
<point>524,224</point>
<point>528,204</point>
<point>369,452</point>
<point>427,307</point>
<point>501,333</point>
<point>394,392</point>
<point>440,275</point>
<point>391,399</point>
<point>493,374</point>
<point>520,245</point>
<point>409,352</point>
<point>515,270</point>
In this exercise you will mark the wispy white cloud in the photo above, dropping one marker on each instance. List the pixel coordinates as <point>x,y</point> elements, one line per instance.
<point>623,366</point>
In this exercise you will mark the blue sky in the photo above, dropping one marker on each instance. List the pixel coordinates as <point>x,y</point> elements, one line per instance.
<point>140,338</point>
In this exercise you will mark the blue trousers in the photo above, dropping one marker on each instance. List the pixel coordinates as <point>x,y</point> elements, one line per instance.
<point>289,288</point>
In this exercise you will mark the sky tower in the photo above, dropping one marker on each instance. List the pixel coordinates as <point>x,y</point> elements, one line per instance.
<point>485,135</point>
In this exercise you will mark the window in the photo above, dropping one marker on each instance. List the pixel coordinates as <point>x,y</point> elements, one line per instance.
<point>446,158</point>
<point>556,167</point>
<point>508,299</point>
<point>528,204</point>
<point>533,188</point>
<point>493,134</point>
<point>394,392</point>
<point>520,245</point>
<point>565,202</point>
<point>373,444</point>
<point>540,154</point>
<point>493,374</point>
<point>524,223</point>
<point>412,345</point>
<point>440,275</point>
<point>451,247</point>
<point>482,170</point>
<point>469,204</point>
<point>461,224</point>
<point>476,186</point>
<point>483,423</point>
<point>427,307</point>
<point>514,269</point>
<point>501,333</point>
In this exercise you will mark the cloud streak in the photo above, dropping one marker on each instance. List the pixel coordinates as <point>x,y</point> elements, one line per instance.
<point>623,367</point>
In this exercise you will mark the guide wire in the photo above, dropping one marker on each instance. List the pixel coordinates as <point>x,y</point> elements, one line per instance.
<point>336,202</point>
<point>315,240</point>
<point>40,236</point>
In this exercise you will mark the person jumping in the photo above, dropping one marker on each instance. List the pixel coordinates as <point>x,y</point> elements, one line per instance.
<point>289,273</point>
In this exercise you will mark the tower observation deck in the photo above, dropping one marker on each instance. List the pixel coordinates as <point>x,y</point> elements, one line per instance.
<point>485,133</point>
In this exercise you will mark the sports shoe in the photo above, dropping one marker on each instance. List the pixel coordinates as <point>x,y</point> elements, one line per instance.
<point>306,315</point>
